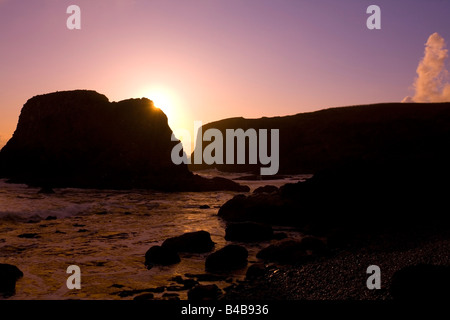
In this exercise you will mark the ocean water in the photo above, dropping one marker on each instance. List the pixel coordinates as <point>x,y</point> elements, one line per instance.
<point>106,233</point>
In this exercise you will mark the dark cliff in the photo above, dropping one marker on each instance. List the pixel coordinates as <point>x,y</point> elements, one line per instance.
<point>380,133</point>
<point>80,139</point>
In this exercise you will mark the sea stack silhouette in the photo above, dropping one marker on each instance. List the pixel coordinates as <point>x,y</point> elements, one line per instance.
<point>81,139</point>
<point>314,141</point>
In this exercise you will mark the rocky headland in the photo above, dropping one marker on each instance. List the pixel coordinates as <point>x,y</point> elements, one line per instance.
<point>81,139</point>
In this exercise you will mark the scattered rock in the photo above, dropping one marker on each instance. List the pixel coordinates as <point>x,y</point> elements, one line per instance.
<point>29,235</point>
<point>285,251</point>
<point>195,242</point>
<point>83,230</point>
<point>157,289</point>
<point>187,283</point>
<point>128,293</point>
<point>161,256</point>
<point>204,292</point>
<point>279,235</point>
<point>77,225</point>
<point>9,275</point>
<point>51,218</point>
<point>255,207</point>
<point>34,220</point>
<point>229,288</point>
<point>46,190</point>
<point>255,177</point>
<point>99,263</point>
<point>145,296</point>
<point>216,184</point>
<point>11,251</point>
<point>421,282</point>
<point>289,250</point>
<point>175,288</point>
<point>266,189</point>
<point>171,296</point>
<point>248,232</point>
<point>206,277</point>
<point>121,235</point>
<point>101,213</point>
<point>177,279</point>
<point>228,258</point>
<point>315,245</point>
<point>255,271</point>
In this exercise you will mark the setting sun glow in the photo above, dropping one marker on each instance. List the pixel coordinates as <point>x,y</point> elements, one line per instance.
<point>162,99</point>
<point>166,100</point>
<point>172,105</point>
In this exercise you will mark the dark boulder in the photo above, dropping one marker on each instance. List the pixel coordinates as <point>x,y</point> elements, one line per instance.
<point>204,292</point>
<point>228,258</point>
<point>255,271</point>
<point>197,242</point>
<point>255,207</point>
<point>9,275</point>
<point>248,232</point>
<point>189,283</point>
<point>285,251</point>
<point>314,245</point>
<point>421,282</point>
<point>160,256</point>
<point>356,201</point>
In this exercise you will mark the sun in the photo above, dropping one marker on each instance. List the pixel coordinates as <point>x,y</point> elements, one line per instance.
<point>174,107</point>
<point>161,99</point>
<point>165,99</point>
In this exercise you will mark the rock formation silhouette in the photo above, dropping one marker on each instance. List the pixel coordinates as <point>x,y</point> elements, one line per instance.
<point>81,139</point>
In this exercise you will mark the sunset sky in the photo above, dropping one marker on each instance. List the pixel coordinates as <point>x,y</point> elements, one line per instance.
<point>213,59</point>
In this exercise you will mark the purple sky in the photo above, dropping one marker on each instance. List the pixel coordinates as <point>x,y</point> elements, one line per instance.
<point>213,59</point>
